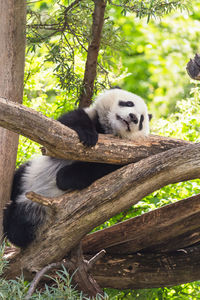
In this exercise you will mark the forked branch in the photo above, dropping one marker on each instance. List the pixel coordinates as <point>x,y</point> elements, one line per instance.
<point>79,212</point>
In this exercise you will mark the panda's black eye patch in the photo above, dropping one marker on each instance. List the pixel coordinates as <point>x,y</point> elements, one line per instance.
<point>126,103</point>
<point>141,122</point>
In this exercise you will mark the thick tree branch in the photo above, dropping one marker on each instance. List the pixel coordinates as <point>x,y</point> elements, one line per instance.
<point>63,142</point>
<point>165,229</point>
<point>79,212</point>
<point>92,55</point>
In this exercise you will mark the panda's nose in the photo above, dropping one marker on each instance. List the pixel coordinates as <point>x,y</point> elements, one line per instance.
<point>133,118</point>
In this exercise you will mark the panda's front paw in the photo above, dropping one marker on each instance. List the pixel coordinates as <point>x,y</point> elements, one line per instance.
<point>88,138</point>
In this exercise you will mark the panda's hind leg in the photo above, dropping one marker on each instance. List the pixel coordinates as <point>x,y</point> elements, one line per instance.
<point>18,228</point>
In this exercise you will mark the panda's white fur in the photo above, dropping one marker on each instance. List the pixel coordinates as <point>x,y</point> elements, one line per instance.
<point>115,112</point>
<point>40,177</point>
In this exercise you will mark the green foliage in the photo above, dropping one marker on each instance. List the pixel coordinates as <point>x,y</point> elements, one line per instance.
<point>188,291</point>
<point>155,60</point>
<point>150,8</point>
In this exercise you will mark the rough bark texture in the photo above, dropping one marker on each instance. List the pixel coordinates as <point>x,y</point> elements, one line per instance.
<point>162,230</point>
<point>12,51</point>
<point>78,212</point>
<point>148,270</point>
<point>92,56</point>
<point>61,141</point>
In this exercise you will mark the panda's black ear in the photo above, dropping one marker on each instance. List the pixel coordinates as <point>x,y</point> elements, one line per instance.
<point>150,116</point>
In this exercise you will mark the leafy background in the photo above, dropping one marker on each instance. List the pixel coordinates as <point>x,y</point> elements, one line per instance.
<point>146,56</point>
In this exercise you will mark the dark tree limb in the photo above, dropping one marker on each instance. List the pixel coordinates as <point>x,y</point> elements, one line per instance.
<point>193,67</point>
<point>139,271</point>
<point>165,229</point>
<point>92,55</point>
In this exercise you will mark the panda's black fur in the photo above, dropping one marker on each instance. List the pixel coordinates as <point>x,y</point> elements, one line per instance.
<point>115,111</point>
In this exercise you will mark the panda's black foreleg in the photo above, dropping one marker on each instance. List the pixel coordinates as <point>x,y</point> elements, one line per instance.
<point>80,175</point>
<point>79,121</point>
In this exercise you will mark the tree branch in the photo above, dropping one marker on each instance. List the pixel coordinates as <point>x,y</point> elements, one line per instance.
<point>63,142</point>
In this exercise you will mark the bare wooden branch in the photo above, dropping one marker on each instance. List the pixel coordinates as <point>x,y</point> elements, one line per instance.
<point>42,272</point>
<point>79,212</point>
<point>49,202</point>
<point>63,142</point>
<point>145,270</point>
<point>92,55</point>
<point>165,229</point>
<point>95,258</point>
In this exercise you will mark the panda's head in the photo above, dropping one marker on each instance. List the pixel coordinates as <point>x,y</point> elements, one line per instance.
<point>121,113</point>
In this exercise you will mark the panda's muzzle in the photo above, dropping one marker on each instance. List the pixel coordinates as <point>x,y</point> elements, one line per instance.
<point>132,118</point>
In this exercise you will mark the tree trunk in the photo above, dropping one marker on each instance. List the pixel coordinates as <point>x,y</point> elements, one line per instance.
<point>92,56</point>
<point>12,48</point>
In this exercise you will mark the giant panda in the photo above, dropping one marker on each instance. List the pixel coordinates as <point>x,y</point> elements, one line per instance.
<point>115,111</point>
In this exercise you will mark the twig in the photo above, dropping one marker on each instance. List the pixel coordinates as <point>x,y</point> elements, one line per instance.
<point>95,258</point>
<point>49,202</point>
<point>42,272</point>
<point>72,5</point>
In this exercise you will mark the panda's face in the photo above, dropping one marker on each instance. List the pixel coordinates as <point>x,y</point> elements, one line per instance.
<point>122,113</point>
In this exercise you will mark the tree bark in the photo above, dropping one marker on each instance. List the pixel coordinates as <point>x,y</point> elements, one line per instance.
<point>63,142</point>
<point>12,51</point>
<point>77,213</point>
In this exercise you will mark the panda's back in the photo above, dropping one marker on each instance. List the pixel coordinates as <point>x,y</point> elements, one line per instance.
<point>39,176</point>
